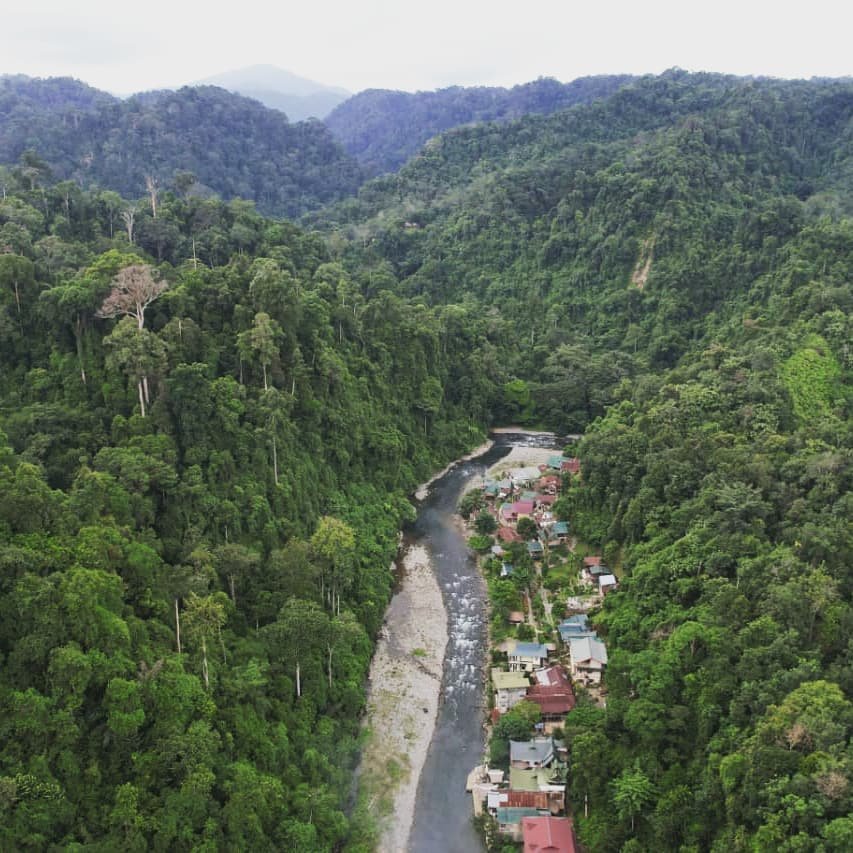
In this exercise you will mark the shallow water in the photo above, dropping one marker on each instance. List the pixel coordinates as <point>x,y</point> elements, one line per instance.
<point>443,810</point>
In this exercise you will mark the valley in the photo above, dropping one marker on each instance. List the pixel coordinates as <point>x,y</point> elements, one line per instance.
<point>231,348</point>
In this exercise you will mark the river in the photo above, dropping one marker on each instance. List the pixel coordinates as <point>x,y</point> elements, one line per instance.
<point>443,809</point>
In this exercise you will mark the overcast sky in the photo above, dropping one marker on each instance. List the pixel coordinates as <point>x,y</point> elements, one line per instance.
<point>356,44</point>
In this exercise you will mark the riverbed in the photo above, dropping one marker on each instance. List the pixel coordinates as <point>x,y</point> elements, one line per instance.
<point>425,706</point>
<point>443,809</point>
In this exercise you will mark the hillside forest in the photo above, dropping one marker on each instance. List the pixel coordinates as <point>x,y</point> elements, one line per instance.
<point>211,420</point>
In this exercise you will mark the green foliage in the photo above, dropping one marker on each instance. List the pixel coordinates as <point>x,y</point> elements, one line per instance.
<point>383,129</point>
<point>192,141</point>
<point>485,523</point>
<point>811,376</point>
<point>188,598</point>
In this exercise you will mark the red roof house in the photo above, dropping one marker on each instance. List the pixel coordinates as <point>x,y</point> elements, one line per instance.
<point>548,835</point>
<point>508,534</point>
<point>552,693</point>
<point>589,562</point>
<point>527,800</point>
<point>573,466</point>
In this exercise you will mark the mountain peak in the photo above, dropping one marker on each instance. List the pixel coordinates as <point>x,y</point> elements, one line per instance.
<point>280,89</point>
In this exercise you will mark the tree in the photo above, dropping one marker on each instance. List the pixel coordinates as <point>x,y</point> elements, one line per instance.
<point>152,187</point>
<point>17,275</point>
<point>632,792</point>
<point>128,217</point>
<point>139,354</point>
<point>204,617</point>
<point>134,289</point>
<point>261,342</point>
<point>236,563</point>
<point>527,528</point>
<point>429,398</point>
<point>485,523</point>
<point>345,632</point>
<point>298,632</point>
<point>333,544</point>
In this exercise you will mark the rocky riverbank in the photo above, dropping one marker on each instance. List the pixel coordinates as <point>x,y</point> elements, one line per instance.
<point>403,696</point>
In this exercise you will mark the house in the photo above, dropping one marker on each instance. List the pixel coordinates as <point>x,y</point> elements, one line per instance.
<point>546,780</point>
<point>553,693</point>
<point>525,657</point>
<point>592,571</point>
<point>574,628</point>
<point>504,798</point>
<point>491,491</point>
<point>531,754</point>
<point>511,513</point>
<point>555,463</point>
<point>510,688</point>
<point>525,477</point>
<point>588,658</point>
<point>528,495</point>
<point>549,484</point>
<point>545,501</point>
<point>548,834</point>
<point>509,820</point>
<point>516,617</point>
<point>506,570</point>
<point>508,534</point>
<point>560,531</point>
<point>571,466</point>
<point>535,549</point>
<point>607,583</point>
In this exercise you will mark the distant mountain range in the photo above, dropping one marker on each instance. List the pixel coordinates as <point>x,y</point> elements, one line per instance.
<point>232,145</point>
<point>298,97</point>
<point>235,146</point>
<point>383,129</point>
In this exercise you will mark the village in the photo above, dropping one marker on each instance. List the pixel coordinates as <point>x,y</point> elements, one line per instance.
<point>546,657</point>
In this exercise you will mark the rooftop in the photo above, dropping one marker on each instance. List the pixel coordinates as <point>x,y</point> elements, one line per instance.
<point>588,648</point>
<point>509,814</point>
<point>546,834</point>
<point>540,750</point>
<point>509,680</point>
<point>531,780</point>
<point>553,676</point>
<point>525,475</point>
<point>529,650</point>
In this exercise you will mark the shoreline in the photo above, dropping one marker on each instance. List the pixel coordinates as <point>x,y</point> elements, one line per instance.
<point>423,490</point>
<point>507,430</point>
<point>403,698</point>
<point>406,673</point>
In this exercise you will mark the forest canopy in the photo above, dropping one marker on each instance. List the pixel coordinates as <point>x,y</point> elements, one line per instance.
<point>210,421</point>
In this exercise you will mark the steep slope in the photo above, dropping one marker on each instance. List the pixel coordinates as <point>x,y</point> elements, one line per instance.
<point>38,114</point>
<point>546,219</point>
<point>184,636</point>
<point>233,145</point>
<point>383,128</point>
<point>670,270</point>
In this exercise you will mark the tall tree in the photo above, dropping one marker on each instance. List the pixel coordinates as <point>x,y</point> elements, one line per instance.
<point>134,289</point>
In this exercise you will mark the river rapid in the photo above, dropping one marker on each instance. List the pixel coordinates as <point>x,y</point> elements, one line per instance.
<point>443,809</point>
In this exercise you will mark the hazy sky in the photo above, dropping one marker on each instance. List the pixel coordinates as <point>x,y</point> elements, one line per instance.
<point>131,46</point>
